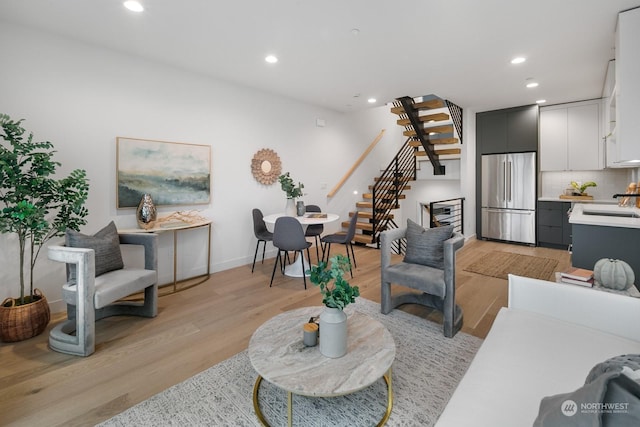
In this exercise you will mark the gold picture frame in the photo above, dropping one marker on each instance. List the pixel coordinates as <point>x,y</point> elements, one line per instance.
<point>173,173</point>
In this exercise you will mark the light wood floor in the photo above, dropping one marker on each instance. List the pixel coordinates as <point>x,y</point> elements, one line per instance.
<point>196,328</point>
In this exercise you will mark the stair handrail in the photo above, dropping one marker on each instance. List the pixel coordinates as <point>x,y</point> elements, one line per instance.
<point>357,163</point>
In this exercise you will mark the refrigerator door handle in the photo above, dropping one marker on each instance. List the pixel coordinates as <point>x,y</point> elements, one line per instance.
<point>504,181</point>
<point>509,181</point>
<point>509,211</point>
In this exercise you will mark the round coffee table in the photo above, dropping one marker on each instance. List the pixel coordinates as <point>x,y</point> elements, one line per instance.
<point>278,355</point>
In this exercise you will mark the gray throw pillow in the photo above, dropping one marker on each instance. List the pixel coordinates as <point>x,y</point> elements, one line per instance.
<point>106,245</point>
<point>425,245</point>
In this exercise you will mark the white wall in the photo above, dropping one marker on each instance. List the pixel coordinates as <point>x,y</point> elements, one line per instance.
<point>81,98</point>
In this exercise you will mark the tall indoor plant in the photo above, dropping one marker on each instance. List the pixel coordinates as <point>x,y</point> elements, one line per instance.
<point>36,207</point>
<point>337,293</point>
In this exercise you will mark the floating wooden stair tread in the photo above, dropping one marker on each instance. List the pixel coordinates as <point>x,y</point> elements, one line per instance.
<point>439,141</point>
<point>363,238</point>
<point>359,225</point>
<point>400,187</point>
<point>369,215</point>
<point>441,152</point>
<point>369,205</point>
<point>424,105</point>
<point>437,117</point>
<point>433,129</point>
<point>397,178</point>
<point>387,196</point>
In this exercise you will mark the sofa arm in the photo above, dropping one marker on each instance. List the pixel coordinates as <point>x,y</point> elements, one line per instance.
<point>387,237</point>
<point>150,243</point>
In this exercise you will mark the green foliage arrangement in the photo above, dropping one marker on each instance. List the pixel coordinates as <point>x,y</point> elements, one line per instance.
<point>580,187</point>
<point>340,293</point>
<point>37,206</point>
<point>288,186</point>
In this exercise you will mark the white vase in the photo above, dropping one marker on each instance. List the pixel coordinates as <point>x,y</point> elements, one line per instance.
<point>333,333</point>
<point>290,208</point>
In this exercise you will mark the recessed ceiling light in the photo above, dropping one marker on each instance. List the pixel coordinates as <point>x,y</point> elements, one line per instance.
<point>532,84</point>
<point>355,31</point>
<point>541,101</point>
<point>518,60</point>
<point>133,6</point>
<point>371,100</point>
<point>271,59</point>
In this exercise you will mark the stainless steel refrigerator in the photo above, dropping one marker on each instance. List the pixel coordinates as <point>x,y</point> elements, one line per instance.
<point>509,197</point>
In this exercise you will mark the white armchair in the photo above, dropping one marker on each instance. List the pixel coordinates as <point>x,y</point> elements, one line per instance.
<point>90,298</point>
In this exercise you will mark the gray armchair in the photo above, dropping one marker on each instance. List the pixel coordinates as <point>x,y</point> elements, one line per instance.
<point>437,285</point>
<point>90,298</point>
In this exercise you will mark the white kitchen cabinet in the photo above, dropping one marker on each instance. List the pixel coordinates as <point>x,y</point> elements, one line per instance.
<point>570,137</point>
<point>627,139</point>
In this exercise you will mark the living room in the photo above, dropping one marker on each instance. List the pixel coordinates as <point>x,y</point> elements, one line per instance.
<point>82,96</point>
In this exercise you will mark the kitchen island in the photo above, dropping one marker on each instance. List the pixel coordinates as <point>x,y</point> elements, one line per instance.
<point>605,231</point>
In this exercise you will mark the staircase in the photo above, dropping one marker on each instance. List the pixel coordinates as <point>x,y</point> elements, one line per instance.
<point>433,128</point>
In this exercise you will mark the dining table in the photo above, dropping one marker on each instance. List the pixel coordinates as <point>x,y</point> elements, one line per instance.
<point>301,265</point>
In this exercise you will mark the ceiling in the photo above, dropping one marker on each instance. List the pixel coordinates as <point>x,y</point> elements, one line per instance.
<point>457,49</point>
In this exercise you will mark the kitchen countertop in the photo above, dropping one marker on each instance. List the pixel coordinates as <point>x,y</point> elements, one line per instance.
<point>598,201</point>
<point>578,215</point>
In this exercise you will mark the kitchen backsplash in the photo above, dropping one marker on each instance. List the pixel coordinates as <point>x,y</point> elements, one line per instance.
<point>610,181</point>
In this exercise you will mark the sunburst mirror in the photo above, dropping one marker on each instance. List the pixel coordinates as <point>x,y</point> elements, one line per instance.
<point>266,166</point>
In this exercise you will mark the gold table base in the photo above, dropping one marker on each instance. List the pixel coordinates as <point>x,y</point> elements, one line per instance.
<point>263,420</point>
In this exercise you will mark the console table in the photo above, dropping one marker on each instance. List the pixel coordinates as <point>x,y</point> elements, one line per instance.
<point>176,227</point>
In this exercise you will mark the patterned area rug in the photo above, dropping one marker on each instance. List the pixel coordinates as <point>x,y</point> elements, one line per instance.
<point>426,371</point>
<point>499,264</point>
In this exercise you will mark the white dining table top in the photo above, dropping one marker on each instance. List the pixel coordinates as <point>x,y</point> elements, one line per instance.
<point>306,219</point>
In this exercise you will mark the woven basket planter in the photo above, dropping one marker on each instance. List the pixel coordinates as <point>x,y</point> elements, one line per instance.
<point>21,322</point>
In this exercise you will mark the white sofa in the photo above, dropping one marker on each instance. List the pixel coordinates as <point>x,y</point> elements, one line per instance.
<point>545,343</point>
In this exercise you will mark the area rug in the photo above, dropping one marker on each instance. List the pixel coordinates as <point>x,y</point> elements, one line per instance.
<point>426,371</point>
<point>500,264</point>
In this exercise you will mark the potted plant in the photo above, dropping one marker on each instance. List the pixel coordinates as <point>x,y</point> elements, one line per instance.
<point>292,191</point>
<point>36,207</point>
<point>337,293</point>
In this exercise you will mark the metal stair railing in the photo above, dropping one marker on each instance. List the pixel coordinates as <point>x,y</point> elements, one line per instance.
<point>391,182</point>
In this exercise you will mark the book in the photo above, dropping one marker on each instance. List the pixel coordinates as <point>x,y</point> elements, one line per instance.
<point>316,215</point>
<point>577,274</point>
<point>587,283</point>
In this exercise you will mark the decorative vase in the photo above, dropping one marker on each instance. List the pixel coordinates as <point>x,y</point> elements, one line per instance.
<point>333,333</point>
<point>290,208</point>
<point>21,322</point>
<point>300,209</point>
<point>146,212</point>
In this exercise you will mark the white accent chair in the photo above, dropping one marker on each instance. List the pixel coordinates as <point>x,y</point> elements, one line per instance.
<point>91,298</point>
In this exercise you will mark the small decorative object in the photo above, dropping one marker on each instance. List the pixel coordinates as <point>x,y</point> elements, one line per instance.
<point>310,334</point>
<point>337,294</point>
<point>631,189</point>
<point>579,188</point>
<point>300,209</point>
<point>146,213</point>
<point>35,207</point>
<point>613,274</point>
<point>266,166</point>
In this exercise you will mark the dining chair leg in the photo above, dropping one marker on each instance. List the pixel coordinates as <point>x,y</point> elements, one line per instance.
<point>317,249</point>
<point>264,247</point>
<point>304,276</point>
<point>346,246</point>
<point>275,264</point>
<point>327,247</point>
<point>353,255</point>
<point>256,254</point>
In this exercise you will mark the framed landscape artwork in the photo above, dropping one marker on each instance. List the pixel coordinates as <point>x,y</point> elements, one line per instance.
<point>172,173</point>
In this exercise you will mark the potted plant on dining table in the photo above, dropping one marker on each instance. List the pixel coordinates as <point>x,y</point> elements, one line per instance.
<point>337,293</point>
<point>292,191</point>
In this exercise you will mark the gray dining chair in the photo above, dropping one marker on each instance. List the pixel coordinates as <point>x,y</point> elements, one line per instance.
<point>288,235</point>
<point>344,239</point>
<point>262,234</point>
<point>315,230</point>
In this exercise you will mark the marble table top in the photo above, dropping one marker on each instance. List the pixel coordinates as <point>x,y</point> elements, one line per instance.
<point>278,355</point>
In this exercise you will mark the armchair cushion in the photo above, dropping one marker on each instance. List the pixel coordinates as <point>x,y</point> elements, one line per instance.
<point>106,245</point>
<point>425,245</point>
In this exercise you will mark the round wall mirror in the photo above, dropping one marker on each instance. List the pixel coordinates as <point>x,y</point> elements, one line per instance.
<point>266,166</point>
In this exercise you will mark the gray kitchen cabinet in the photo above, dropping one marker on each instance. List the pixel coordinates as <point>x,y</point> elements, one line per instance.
<point>554,229</point>
<point>511,130</point>
<point>570,137</point>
